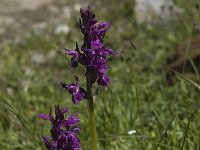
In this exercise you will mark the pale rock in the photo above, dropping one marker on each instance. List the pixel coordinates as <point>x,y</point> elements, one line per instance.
<point>6,20</point>
<point>77,7</point>
<point>38,28</point>
<point>38,58</point>
<point>155,11</point>
<point>52,54</point>
<point>10,91</point>
<point>67,12</point>
<point>62,28</point>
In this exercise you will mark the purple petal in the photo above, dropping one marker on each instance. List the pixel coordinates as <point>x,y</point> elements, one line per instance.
<point>49,145</point>
<point>103,80</point>
<point>45,117</point>
<point>76,98</point>
<point>71,52</point>
<point>64,110</point>
<point>73,120</point>
<point>107,51</point>
<point>76,129</point>
<point>74,141</point>
<point>99,29</point>
<point>96,44</point>
<point>72,88</point>
<point>62,142</point>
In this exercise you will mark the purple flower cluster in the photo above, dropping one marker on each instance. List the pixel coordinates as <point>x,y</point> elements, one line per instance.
<point>63,131</point>
<point>93,52</point>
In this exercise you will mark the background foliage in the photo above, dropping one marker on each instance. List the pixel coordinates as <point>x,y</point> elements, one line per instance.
<point>138,98</point>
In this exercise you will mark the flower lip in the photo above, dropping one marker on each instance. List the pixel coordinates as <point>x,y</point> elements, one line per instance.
<point>71,52</point>
<point>78,93</point>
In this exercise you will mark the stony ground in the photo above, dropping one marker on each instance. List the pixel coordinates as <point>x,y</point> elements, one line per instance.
<point>19,17</point>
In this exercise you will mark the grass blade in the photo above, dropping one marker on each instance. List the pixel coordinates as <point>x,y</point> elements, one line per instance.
<point>188,125</point>
<point>186,79</point>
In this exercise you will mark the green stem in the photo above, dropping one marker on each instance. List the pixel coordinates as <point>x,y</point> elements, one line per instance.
<point>92,123</point>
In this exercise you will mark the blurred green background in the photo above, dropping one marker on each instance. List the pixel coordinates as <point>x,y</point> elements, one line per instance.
<point>33,35</point>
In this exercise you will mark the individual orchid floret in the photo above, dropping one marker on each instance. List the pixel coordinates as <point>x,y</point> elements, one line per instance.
<point>103,80</point>
<point>78,93</point>
<point>63,131</point>
<point>98,30</point>
<point>77,56</point>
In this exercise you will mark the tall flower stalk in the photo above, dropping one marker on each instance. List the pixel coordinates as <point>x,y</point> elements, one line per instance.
<point>92,123</point>
<point>93,55</point>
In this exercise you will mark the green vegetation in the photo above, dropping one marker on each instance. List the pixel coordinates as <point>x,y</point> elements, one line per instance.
<point>164,117</point>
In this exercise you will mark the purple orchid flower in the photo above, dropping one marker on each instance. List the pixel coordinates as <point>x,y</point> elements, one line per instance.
<point>77,56</point>
<point>63,131</point>
<point>93,53</point>
<point>78,93</point>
